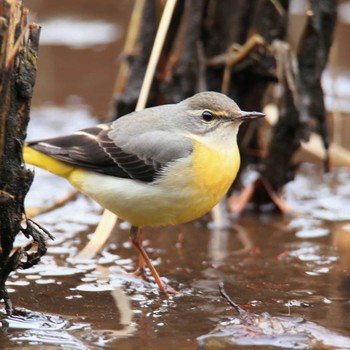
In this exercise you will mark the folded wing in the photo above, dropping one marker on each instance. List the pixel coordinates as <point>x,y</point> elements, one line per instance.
<point>140,156</point>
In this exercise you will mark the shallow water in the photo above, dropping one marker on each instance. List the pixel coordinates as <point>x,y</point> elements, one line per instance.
<point>264,262</point>
<point>290,273</point>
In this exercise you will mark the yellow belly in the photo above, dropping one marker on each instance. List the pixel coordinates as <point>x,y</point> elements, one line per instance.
<point>212,175</point>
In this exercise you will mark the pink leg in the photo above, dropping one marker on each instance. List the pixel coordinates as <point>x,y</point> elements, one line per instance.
<point>144,259</point>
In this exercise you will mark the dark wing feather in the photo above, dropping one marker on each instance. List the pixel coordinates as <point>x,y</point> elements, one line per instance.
<point>131,163</point>
<point>140,156</point>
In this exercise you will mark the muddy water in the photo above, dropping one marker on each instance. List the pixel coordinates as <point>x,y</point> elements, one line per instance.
<point>291,273</point>
<point>295,267</point>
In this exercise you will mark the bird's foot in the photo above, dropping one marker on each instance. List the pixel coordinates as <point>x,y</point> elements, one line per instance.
<point>168,290</point>
<point>163,288</point>
<point>140,272</point>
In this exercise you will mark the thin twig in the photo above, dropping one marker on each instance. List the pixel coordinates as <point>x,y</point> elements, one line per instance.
<point>15,48</point>
<point>223,293</point>
<point>41,228</point>
<point>99,238</point>
<point>32,212</point>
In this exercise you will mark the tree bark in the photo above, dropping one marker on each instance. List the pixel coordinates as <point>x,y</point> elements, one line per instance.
<point>18,58</point>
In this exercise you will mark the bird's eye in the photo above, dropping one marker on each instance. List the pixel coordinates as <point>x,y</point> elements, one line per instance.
<point>207,116</point>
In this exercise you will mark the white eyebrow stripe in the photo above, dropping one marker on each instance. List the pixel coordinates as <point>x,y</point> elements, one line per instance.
<point>218,113</point>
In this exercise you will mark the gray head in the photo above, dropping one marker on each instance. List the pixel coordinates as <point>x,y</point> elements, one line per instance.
<point>219,105</point>
<point>212,113</point>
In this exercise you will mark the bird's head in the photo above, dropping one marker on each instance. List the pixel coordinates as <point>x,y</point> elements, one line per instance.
<point>213,115</point>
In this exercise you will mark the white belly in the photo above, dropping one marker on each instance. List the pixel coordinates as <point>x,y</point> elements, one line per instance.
<point>140,203</point>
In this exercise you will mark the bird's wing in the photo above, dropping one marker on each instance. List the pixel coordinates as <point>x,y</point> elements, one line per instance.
<point>140,155</point>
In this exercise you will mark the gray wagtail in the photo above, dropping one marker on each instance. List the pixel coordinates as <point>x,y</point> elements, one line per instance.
<point>163,165</point>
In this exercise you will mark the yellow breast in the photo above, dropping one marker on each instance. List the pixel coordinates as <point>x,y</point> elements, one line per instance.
<point>215,169</point>
<point>209,177</point>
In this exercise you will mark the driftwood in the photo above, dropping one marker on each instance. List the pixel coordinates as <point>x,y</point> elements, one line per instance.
<point>302,101</point>
<point>18,58</point>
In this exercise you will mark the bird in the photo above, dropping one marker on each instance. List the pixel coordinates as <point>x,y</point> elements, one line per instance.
<point>163,165</point>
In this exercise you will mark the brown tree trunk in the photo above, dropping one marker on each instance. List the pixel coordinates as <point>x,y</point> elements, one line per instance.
<point>18,58</point>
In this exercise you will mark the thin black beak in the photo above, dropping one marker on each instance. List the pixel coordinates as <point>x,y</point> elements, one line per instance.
<point>250,115</point>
